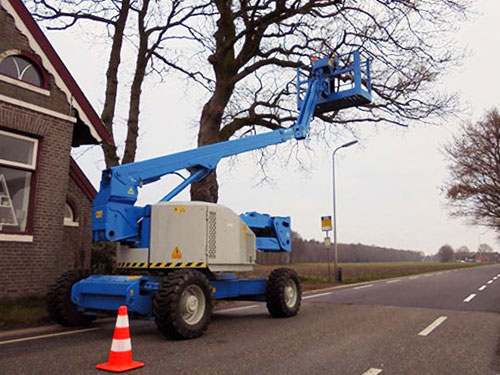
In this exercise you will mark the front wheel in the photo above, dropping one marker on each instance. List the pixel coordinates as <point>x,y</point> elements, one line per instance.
<point>182,305</point>
<point>283,293</point>
<point>59,305</point>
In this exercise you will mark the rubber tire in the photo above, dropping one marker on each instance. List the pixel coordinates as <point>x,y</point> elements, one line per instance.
<point>275,293</point>
<point>59,305</point>
<point>166,305</point>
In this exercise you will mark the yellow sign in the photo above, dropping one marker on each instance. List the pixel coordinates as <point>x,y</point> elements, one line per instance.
<point>130,191</point>
<point>176,254</point>
<point>326,223</point>
<point>98,214</point>
<point>179,209</point>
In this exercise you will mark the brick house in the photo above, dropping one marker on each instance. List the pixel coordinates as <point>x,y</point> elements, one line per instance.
<point>45,199</point>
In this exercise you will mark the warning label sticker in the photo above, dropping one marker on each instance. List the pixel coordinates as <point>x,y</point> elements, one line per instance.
<point>176,254</point>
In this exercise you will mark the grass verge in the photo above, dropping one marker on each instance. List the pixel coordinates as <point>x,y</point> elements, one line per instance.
<point>316,274</point>
<point>23,313</point>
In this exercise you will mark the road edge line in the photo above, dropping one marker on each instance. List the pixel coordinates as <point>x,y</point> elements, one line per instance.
<point>48,335</point>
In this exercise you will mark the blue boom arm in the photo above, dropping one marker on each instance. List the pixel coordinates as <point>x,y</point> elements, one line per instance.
<point>114,216</point>
<point>272,233</point>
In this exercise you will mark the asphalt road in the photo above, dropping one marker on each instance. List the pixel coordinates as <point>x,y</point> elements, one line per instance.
<point>440,323</point>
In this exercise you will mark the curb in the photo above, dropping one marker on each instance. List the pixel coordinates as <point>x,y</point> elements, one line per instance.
<point>53,328</point>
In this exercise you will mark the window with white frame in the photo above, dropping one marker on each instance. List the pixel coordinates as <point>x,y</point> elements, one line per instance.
<point>22,69</point>
<point>18,155</point>
<point>70,219</point>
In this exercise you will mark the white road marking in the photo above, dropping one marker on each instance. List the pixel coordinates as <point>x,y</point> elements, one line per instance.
<point>490,281</point>
<point>393,281</point>
<point>236,309</point>
<point>439,273</point>
<point>372,371</point>
<point>48,335</point>
<point>482,288</point>
<point>414,277</point>
<point>428,275</point>
<point>469,298</point>
<point>317,295</point>
<point>432,326</point>
<point>364,286</point>
<point>496,277</point>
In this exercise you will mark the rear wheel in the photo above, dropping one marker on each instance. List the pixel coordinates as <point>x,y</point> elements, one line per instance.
<point>182,305</point>
<point>283,293</point>
<point>59,305</point>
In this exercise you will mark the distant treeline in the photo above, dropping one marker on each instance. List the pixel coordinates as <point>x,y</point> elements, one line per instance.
<point>312,251</point>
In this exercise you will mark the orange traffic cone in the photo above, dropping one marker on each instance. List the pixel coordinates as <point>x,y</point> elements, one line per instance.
<point>120,355</point>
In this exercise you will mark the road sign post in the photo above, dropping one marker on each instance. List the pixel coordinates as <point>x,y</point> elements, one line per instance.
<point>326,226</point>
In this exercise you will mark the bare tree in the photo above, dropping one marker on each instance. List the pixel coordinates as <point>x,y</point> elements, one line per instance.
<point>254,47</point>
<point>462,253</point>
<point>484,248</point>
<point>146,25</point>
<point>446,254</point>
<point>244,54</point>
<point>473,189</point>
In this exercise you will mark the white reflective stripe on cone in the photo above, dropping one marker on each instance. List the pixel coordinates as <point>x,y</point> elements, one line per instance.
<point>121,345</point>
<point>122,321</point>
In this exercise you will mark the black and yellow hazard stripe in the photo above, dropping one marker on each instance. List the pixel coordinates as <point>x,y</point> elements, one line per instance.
<point>132,265</point>
<point>161,265</point>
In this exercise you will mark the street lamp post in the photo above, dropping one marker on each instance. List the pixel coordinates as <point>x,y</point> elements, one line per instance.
<point>335,250</point>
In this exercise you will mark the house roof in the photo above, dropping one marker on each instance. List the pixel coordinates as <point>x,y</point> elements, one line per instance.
<point>53,63</point>
<point>81,180</point>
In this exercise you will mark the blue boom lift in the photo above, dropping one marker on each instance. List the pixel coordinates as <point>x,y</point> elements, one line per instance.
<point>176,257</point>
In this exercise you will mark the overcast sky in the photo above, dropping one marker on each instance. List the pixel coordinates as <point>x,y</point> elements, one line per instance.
<point>388,186</point>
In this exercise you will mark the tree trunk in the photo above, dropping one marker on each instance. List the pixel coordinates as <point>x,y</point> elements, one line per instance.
<point>207,190</point>
<point>224,65</point>
<point>108,112</point>
<point>135,91</point>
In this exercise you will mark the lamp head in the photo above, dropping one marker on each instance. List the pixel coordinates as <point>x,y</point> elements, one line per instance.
<point>350,143</point>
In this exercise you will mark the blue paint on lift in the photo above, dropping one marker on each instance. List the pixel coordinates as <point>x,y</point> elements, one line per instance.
<point>108,293</point>
<point>332,84</point>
